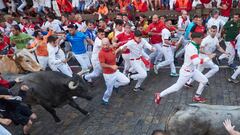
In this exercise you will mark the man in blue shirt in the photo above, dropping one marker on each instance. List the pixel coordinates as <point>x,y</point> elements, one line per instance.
<point>91,34</point>
<point>78,47</point>
<point>186,38</point>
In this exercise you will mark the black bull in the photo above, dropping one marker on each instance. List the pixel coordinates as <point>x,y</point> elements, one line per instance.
<point>202,119</point>
<point>52,90</point>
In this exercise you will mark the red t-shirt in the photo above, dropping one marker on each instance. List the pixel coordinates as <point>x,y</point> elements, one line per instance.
<point>200,29</point>
<point>157,28</point>
<point>123,38</point>
<point>107,57</point>
<point>6,41</point>
<point>226,12</point>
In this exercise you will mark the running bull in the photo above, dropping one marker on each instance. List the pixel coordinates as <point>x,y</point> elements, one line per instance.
<point>52,90</point>
<point>202,119</point>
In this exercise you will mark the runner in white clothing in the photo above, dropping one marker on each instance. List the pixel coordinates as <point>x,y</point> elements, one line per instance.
<point>208,46</point>
<point>97,70</point>
<point>136,47</point>
<point>56,57</point>
<point>167,51</point>
<point>188,70</point>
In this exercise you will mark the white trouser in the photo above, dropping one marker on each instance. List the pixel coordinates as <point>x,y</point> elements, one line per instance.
<point>75,3</point>
<point>238,50</point>
<point>236,73</point>
<point>156,54</point>
<point>114,80</point>
<point>169,59</point>
<point>126,63</point>
<point>23,5</point>
<point>209,64</point>
<point>63,68</point>
<point>224,18</point>
<point>47,3</point>
<point>43,61</point>
<point>141,72</point>
<point>183,78</point>
<point>181,51</point>
<point>231,51</point>
<point>97,70</point>
<point>83,60</point>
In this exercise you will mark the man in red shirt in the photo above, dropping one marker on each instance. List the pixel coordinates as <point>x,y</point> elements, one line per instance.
<point>122,39</point>
<point>154,31</point>
<point>112,76</point>
<point>199,27</point>
<point>225,9</point>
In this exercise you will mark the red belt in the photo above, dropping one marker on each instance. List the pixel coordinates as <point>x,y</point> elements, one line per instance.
<point>136,58</point>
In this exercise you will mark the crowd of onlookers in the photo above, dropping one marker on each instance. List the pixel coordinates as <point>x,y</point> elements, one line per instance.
<point>44,25</point>
<point>104,7</point>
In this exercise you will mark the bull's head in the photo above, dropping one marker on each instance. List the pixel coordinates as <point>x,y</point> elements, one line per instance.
<point>79,88</point>
<point>27,62</point>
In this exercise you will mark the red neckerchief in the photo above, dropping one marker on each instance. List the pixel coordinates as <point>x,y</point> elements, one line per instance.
<point>184,20</point>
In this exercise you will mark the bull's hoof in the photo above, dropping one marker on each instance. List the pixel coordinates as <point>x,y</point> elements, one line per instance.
<point>59,122</point>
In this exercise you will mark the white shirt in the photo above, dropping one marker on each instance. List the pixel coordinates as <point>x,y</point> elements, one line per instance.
<point>96,49</point>
<point>195,3</point>
<point>55,56</point>
<point>81,27</point>
<point>209,45</point>
<point>10,25</point>
<point>238,41</point>
<point>182,25</point>
<point>54,25</point>
<point>136,48</point>
<point>191,58</point>
<point>218,22</point>
<point>166,34</point>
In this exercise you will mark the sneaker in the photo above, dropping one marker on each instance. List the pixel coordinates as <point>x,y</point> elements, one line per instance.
<point>174,75</point>
<point>105,102</point>
<point>138,89</point>
<point>199,99</point>
<point>208,84</point>
<point>233,80</point>
<point>155,69</point>
<point>188,85</point>
<point>157,98</point>
<point>129,77</point>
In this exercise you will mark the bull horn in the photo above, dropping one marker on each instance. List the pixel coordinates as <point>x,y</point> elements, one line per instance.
<point>72,85</point>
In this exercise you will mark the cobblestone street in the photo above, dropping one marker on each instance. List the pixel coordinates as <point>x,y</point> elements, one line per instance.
<point>132,113</point>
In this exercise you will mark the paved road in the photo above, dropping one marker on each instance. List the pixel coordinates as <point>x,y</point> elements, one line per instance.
<point>131,113</point>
